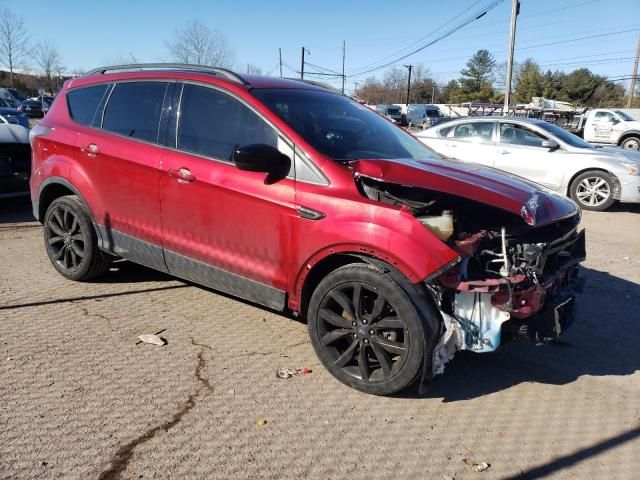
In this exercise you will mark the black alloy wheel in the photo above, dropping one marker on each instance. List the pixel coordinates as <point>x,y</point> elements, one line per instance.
<point>71,241</point>
<point>366,330</point>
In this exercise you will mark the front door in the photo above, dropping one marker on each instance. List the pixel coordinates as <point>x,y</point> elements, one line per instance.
<point>520,151</point>
<point>223,227</point>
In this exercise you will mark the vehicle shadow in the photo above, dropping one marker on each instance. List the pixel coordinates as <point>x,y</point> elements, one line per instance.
<point>624,207</point>
<point>602,341</point>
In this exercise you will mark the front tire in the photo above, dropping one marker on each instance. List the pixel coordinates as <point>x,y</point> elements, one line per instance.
<point>71,241</point>
<point>367,331</point>
<point>593,190</point>
<point>631,143</point>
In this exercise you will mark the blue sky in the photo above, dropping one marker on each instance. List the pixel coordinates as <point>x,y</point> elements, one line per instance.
<point>90,33</point>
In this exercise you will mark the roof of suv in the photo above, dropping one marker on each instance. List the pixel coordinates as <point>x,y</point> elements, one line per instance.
<point>201,72</point>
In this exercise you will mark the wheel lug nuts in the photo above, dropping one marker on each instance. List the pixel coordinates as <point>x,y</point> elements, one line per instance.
<point>355,335</point>
<point>366,341</point>
<point>354,323</point>
<point>371,332</point>
<point>364,321</point>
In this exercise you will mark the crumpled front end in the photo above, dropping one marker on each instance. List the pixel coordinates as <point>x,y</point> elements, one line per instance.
<point>510,283</point>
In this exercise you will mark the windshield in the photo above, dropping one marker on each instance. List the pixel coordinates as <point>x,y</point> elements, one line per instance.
<point>625,116</point>
<point>566,137</point>
<point>339,127</point>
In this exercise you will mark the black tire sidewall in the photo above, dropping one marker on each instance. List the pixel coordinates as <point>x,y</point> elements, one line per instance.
<point>636,139</point>
<point>417,330</point>
<point>593,173</point>
<point>91,252</point>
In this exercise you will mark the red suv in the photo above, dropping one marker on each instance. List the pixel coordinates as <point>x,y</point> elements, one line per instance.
<point>298,198</point>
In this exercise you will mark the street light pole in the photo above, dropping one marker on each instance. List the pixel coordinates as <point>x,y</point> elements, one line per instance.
<point>515,9</point>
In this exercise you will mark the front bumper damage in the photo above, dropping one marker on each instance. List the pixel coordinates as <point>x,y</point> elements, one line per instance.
<point>481,315</point>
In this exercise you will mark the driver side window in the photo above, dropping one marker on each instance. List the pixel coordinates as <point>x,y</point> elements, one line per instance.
<point>513,134</point>
<point>605,117</point>
<point>213,124</point>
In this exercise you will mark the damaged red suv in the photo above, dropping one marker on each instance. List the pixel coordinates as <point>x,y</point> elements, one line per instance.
<point>297,198</point>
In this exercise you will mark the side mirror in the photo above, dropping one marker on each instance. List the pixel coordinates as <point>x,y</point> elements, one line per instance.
<point>550,144</point>
<point>259,157</point>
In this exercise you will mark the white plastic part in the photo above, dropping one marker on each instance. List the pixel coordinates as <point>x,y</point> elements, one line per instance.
<point>480,320</point>
<point>440,225</point>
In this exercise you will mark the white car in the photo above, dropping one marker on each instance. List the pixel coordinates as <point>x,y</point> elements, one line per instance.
<point>594,177</point>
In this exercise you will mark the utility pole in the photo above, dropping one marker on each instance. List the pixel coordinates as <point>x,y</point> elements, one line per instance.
<point>515,10</point>
<point>344,47</point>
<point>634,75</point>
<point>280,57</point>
<point>408,83</point>
<point>433,93</point>
<point>302,63</point>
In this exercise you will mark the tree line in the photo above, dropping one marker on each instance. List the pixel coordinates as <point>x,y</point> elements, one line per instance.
<point>479,81</point>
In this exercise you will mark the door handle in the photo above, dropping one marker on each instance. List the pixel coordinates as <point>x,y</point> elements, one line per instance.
<point>183,175</point>
<point>504,152</point>
<point>90,150</point>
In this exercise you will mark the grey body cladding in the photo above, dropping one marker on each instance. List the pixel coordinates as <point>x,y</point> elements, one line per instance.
<point>187,268</point>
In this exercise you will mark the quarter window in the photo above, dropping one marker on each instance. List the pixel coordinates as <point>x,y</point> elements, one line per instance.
<point>213,124</point>
<point>134,110</point>
<point>518,135</point>
<point>83,103</point>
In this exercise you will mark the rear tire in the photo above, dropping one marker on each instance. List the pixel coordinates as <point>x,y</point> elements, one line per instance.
<point>593,190</point>
<point>368,330</point>
<point>631,143</point>
<point>71,242</point>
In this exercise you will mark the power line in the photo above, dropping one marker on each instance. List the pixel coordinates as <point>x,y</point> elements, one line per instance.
<point>448,33</point>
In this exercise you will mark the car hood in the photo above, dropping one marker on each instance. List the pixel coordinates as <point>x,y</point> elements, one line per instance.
<point>537,205</point>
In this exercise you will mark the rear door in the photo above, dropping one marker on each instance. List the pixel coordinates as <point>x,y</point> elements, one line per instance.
<point>471,142</point>
<point>124,156</point>
<point>223,227</point>
<point>520,151</point>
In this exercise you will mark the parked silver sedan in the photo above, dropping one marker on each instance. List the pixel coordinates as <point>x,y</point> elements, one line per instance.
<point>594,177</point>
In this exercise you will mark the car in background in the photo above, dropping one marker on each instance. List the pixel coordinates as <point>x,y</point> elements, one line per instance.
<point>15,158</point>
<point>12,115</point>
<point>594,177</point>
<point>423,116</point>
<point>36,107</point>
<point>12,97</point>
<point>394,112</point>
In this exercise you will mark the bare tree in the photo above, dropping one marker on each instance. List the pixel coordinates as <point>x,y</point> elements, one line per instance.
<point>14,40</point>
<point>195,43</point>
<point>49,61</point>
<point>253,69</point>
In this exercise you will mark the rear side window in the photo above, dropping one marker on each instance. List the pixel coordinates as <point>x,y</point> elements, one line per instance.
<point>83,103</point>
<point>213,124</point>
<point>134,110</point>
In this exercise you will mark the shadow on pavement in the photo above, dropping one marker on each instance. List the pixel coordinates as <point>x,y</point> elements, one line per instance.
<point>603,340</point>
<point>567,461</point>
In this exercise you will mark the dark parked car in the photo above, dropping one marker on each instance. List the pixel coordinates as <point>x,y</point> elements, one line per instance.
<point>300,199</point>
<point>12,115</point>
<point>15,157</point>
<point>35,107</point>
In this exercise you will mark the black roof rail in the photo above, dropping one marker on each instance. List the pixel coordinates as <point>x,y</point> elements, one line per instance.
<point>317,84</point>
<point>223,72</point>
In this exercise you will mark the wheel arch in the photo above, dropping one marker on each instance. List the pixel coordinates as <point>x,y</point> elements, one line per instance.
<point>616,182</point>
<point>625,135</point>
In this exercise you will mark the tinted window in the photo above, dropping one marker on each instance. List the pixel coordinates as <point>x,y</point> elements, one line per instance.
<point>519,135</point>
<point>213,123</point>
<point>340,128</point>
<point>134,110</point>
<point>565,136</point>
<point>475,130</point>
<point>83,103</point>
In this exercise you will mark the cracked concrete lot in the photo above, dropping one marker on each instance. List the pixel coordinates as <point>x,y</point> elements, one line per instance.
<point>79,398</point>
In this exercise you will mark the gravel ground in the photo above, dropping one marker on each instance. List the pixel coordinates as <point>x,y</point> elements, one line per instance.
<point>80,399</point>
